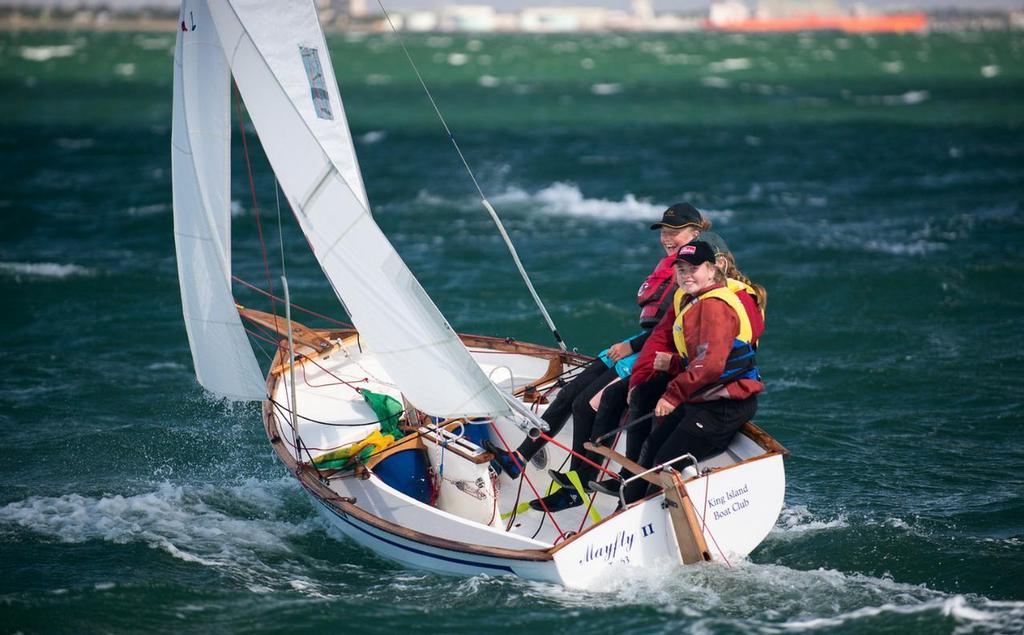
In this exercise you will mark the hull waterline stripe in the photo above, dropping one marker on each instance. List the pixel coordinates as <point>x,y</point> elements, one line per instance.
<point>471,563</point>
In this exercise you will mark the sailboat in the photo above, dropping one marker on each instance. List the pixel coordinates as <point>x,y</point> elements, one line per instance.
<point>385,423</point>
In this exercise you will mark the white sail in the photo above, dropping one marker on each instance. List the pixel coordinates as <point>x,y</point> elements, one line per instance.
<point>283,71</point>
<point>200,165</point>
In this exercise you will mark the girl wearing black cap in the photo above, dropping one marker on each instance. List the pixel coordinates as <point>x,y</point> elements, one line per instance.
<point>680,224</point>
<point>714,331</point>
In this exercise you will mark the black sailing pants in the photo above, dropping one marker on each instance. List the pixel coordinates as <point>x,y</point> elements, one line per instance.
<point>702,429</point>
<point>572,399</point>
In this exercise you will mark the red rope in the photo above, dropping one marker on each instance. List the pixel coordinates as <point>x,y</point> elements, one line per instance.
<point>704,519</point>
<point>340,380</point>
<point>576,454</point>
<point>294,306</point>
<point>262,338</point>
<point>255,204</point>
<point>561,534</point>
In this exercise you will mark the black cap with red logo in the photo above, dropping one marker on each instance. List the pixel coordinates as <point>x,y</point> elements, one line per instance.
<point>695,253</point>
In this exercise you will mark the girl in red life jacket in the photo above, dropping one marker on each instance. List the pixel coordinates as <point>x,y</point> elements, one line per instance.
<point>715,393</point>
<point>680,224</point>
<point>648,382</point>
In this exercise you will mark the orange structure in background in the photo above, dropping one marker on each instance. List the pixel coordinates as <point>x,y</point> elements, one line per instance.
<point>897,23</point>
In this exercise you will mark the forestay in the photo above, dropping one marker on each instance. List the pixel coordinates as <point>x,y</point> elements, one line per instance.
<point>282,68</point>
<point>200,166</point>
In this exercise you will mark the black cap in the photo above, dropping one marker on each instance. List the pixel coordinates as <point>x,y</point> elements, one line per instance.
<point>680,215</point>
<point>695,253</point>
<point>716,242</point>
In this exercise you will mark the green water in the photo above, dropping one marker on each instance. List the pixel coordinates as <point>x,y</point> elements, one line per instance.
<point>873,184</point>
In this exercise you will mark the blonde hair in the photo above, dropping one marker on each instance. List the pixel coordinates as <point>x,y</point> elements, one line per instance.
<point>720,277</point>
<point>732,271</point>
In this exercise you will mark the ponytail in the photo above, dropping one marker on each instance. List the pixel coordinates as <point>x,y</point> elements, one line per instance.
<point>732,271</point>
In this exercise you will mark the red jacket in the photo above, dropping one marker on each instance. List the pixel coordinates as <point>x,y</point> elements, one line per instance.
<point>710,325</point>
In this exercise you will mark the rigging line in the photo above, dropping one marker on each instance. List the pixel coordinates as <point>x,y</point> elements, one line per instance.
<point>294,306</point>
<point>483,199</point>
<point>327,423</point>
<point>255,203</point>
<point>524,476</point>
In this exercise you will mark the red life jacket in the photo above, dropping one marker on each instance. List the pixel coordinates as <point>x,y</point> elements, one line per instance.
<point>655,294</point>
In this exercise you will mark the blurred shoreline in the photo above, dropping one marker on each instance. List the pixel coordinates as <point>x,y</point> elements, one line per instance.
<point>156,20</point>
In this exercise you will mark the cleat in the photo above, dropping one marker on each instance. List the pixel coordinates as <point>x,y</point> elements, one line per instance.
<point>503,461</point>
<point>560,500</point>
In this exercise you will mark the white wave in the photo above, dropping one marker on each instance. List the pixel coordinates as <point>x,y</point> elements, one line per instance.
<point>909,98</point>
<point>488,81</point>
<point>373,136</point>
<point>715,82</point>
<point>566,199</point>
<point>896,523</point>
<point>234,529</point>
<point>900,240</point>
<point>893,68</point>
<point>457,59</point>
<point>910,248</point>
<point>606,89</point>
<point>149,210</point>
<point>46,53</point>
<point>710,596</point>
<point>990,71</point>
<point>779,384</point>
<point>165,366</point>
<point>44,270</point>
<point>730,64</point>
<point>997,615</point>
<point>798,520</point>
<point>125,69</point>
<point>377,79</point>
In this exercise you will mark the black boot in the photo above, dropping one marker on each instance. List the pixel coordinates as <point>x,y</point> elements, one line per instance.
<point>562,499</point>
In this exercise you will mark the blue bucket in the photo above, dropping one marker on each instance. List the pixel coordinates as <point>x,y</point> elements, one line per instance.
<point>406,471</point>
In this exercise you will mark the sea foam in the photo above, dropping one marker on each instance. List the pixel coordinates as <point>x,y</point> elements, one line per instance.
<point>43,270</point>
<point>231,528</point>
<point>798,520</point>
<point>566,199</point>
<point>46,53</point>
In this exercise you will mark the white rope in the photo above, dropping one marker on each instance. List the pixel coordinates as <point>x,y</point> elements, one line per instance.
<point>483,199</point>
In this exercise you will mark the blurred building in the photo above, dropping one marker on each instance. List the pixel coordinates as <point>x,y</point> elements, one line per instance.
<point>769,9</point>
<point>808,15</point>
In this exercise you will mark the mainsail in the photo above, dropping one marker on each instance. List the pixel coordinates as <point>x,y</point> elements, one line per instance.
<point>201,171</point>
<point>280,62</point>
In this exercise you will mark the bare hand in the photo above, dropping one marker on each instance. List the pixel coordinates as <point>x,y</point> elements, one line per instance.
<point>662,361</point>
<point>620,350</point>
<point>663,408</point>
